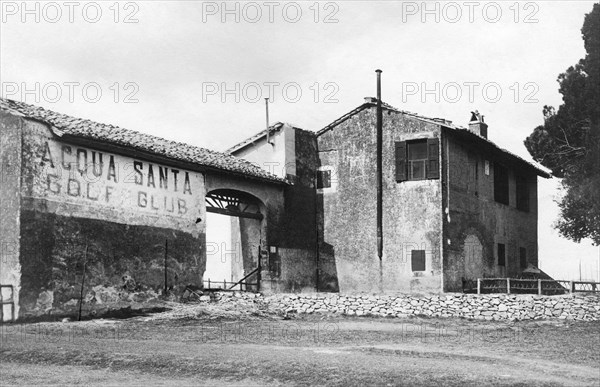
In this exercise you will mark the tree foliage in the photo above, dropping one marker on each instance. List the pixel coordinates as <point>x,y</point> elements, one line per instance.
<point>568,142</point>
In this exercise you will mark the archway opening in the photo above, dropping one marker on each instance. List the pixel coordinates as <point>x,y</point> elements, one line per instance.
<point>234,223</point>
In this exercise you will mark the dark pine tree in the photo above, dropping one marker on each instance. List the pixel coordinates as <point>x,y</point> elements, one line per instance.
<point>569,141</point>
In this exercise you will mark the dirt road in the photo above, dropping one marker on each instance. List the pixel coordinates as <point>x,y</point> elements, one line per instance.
<point>303,351</point>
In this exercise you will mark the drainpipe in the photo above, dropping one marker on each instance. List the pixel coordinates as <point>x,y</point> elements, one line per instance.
<point>379,179</point>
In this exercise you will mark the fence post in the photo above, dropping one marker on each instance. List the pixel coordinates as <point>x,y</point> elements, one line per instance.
<point>478,285</point>
<point>539,286</point>
<point>508,285</point>
<point>571,287</point>
<point>209,283</point>
<point>224,284</point>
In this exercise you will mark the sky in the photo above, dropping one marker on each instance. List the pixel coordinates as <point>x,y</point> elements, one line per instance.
<point>198,72</point>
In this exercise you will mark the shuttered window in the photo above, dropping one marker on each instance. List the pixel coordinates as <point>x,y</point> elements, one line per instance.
<point>522,194</point>
<point>500,184</point>
<point>523,257</point>
<point>501,254</point>
<point>323,179</point>
<point>417,160</point>
<point>433,165</point>
<point>401,161</point>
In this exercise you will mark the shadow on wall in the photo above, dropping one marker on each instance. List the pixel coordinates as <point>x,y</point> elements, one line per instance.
<point>123,263</point>
<point>326,264</point>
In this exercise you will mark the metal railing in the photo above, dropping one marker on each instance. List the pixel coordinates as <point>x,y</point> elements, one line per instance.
<point>228,285</point>
<point>529,286</point>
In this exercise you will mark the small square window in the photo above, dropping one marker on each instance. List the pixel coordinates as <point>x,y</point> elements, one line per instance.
<point>418,260</point>
<point>323,179</point>
<point>501,254</point>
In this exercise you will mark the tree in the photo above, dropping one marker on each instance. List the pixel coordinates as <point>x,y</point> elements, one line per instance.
<point>568,142</point>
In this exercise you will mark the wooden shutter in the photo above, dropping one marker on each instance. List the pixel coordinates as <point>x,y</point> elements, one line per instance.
<point>433,158</point>
<point>401,161</point>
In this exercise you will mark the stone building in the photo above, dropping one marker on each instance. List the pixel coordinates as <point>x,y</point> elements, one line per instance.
<point>456,206</point>
<point>130,210</point>
<point>137,213</point>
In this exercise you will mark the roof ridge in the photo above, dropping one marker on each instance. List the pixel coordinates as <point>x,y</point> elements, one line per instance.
<point>86,128</point>
<point>372,102</point>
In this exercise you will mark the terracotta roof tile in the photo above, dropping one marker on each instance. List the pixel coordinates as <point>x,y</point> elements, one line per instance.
<point>86,129</point>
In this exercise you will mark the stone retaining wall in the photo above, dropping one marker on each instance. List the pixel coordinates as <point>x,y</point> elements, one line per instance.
<point>484,307</point>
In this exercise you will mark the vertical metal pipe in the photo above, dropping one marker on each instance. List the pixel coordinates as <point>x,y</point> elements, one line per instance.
<point>267,112</point>
<point>82,282</point>
<point>379,169</point>
<point>166,252</point>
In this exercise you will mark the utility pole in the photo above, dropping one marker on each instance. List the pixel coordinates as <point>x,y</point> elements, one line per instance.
<point>379,180</point>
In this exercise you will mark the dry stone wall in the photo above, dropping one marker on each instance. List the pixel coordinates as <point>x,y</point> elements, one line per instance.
<point>483,307</point>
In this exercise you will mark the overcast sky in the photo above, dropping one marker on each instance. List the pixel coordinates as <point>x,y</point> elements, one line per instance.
<point>175,69</point>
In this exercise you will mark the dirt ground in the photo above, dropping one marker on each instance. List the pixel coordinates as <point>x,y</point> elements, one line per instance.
<point>207,346</point>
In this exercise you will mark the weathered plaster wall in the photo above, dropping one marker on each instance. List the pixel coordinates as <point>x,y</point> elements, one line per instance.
<point>293,155</point>
<point>123,209</point>
<point>412,209</point>
<point>272,156</point>
<point>476,223</point>
<point>10,181</point>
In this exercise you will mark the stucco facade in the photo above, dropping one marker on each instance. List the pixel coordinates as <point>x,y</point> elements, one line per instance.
<point>130,210</point>
<point>73,205</point>
<point>442,226</point>
<point>347,225</point>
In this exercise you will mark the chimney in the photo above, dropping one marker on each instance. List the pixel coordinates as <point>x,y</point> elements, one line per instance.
<point>477,125</point>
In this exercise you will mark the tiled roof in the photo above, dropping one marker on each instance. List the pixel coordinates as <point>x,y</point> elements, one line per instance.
<point>85,129</point>
<point>272,129</point>
<point>372,102</point>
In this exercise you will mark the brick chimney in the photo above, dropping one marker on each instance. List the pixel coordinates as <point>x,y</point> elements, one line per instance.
<point>477,126</point>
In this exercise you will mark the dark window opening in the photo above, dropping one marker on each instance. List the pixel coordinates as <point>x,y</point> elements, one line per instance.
<point>501,254</point>
<point>418,260</point>
<point>523,257</point>
<point>522,194</point>
<point>500,184</point>
<point>323,179</point>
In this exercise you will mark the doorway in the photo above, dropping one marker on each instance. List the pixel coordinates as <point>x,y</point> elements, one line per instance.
<point>234,224</point>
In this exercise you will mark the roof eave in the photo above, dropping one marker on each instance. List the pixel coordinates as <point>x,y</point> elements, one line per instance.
<point>151,156</point>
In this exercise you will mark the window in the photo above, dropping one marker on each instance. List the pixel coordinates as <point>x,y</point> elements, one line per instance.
<point>417,160</point>
<point>523,257</point>
<point>418,260</point>
<point>500,184</point>
<point>522,194</point>
<point>323,179</point>
<point>501,254</point>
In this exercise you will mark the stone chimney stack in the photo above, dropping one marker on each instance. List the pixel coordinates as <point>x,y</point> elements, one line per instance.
<point>477,125</point>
